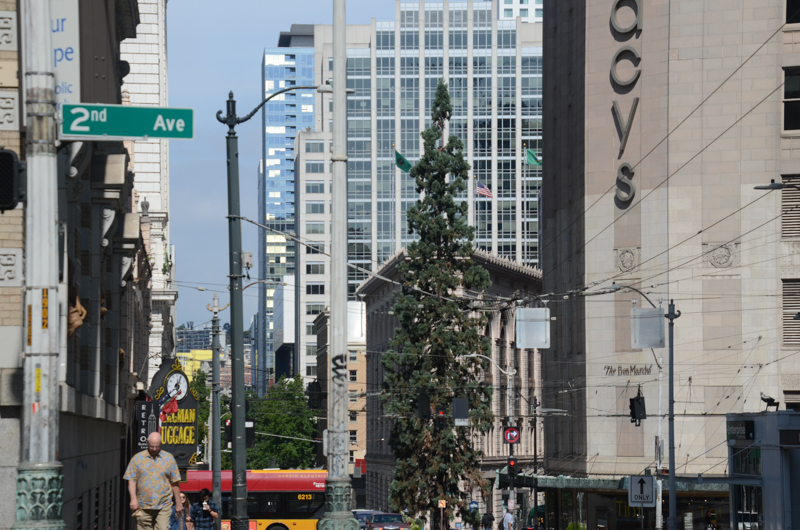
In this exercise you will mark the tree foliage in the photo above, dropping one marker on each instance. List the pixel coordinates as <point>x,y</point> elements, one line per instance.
<point>198,384</point>
<point>283,411</point>
<point>436,330</point>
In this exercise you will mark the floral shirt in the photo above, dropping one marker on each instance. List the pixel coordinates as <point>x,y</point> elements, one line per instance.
<point>154,478</point>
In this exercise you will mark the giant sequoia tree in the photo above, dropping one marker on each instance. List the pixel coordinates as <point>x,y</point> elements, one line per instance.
<point>437,330</point>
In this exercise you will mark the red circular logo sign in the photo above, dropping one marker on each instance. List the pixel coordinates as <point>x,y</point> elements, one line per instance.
<point>511,435</point>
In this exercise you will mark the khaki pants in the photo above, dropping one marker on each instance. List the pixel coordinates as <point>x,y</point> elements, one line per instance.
<point>154,519</point>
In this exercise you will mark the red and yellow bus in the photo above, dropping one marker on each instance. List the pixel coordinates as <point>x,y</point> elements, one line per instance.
<point>276,499</point>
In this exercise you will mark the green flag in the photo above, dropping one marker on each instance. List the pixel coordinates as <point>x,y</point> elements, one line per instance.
<point>533,160</point>
<point>401,162</point>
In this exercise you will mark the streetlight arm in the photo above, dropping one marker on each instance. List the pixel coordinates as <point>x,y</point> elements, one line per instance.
<point>231,120</point>
<point>504,372</point>
<point>616,287</point>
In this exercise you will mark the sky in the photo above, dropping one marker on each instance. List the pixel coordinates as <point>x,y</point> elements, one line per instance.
<point>213,47</point>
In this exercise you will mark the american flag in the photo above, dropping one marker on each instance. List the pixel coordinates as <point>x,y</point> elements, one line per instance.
<point>483,189</point>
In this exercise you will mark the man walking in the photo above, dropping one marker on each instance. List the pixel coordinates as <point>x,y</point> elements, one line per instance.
<point>153,479</point>
<point>487,520</point>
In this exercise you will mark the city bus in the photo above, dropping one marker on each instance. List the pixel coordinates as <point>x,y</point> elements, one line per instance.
<point>276,499</point>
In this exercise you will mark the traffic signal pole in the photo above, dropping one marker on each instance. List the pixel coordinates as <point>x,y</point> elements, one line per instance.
<point>216,452</point>
<point>672,520</point>
<point>511,494</point>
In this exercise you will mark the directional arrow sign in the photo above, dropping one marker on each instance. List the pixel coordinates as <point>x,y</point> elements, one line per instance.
<point>641,491</point>
<point>124,122</point>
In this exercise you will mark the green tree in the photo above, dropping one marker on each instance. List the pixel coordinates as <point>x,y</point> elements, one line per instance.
<point>283,411</point>
<point>436,330</point>
<point>198,384</point>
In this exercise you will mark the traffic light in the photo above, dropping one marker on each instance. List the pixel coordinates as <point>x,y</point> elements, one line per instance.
<point>12,173</point>
<point>228,433</point>
<point>424,406</point>
<point>638,411</point>
<point>441,420</point>
<point>512,467</point>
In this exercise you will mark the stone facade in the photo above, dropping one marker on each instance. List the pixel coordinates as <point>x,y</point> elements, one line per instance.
<point>650,158</point>
<point>146,84</point>
<point>103,300</point>
<point>356,379</point>
<point>508,279</point>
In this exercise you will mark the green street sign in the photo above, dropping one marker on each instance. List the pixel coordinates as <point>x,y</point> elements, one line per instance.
<point>123,122</point>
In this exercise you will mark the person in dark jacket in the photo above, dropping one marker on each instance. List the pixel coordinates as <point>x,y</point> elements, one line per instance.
<point>487,521</point>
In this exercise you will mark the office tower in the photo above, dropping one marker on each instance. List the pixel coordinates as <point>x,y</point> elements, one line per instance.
<point>493,70</point>
<point>282,66</point>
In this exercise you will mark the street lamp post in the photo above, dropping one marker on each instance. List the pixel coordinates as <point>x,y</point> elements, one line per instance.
<point>510,373</point>
<point>239,518</point>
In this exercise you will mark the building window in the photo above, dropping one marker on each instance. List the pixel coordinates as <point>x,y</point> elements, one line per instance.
<point>353,356</point>
<point>353,396</point>
<point>315,228</point>
<point>311,350</point>
<point>508,13</point>
<point>353,376</point>
<point>352,457</point>
<point>311,370</point>
<point>791,100</point>
<point>315,288</point>
<point>539,13</point>
<point>315,207</point>
<point>315,186</point>
<point>315,268</point>
<point>353,416</point>
<point>310,330</point>
<point>523,13</point>
<point>314,309</point>
<point>315,167</point>
<point>792,11</point>
<point>353,437</point>
<point>315,146</point>
<point>315,248</point>
<point>791,306</point>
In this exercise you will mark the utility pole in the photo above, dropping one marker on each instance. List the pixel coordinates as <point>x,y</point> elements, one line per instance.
<point>216,453</point>
<point>338,502</point>
<point>535,461</point>
<point>672,520</point>
<point>39,474</point>
<point>512,498</point>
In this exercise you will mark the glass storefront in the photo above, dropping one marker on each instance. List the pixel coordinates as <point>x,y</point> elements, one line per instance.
<point>571,509</point>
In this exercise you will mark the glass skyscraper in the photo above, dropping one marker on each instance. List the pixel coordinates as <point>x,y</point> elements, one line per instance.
<point>282,117</point>
<point>493,69</point>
